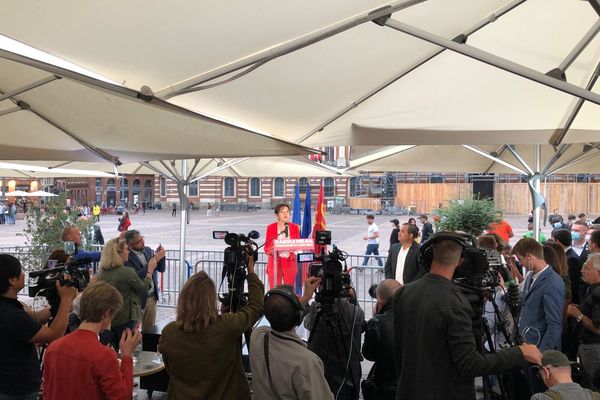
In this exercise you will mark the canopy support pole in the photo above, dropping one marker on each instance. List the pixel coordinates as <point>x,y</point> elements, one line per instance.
<point>513,151</point>
<point>182,190</point>
<point>537,198</point>
<point>498,152</point>
<point>581,45</point>
<point>485,154</point>
<point>9,111</point>
<point>596,6</point>
<point>463,37</point>
<point>579,158</point>
<point>559,151</point>
<point>282,49</point>
<point>357,163</point>
<point>495,61</point>
<point>27,88</point>
<point>558,137</point>
<point>225,165</point>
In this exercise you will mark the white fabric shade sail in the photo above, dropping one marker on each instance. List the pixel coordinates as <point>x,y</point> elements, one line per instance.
<point>66,116</point>
<point>351,74</point>
<point>31,170</point>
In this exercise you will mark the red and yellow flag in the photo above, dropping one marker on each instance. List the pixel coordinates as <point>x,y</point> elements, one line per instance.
<point>320,219</point>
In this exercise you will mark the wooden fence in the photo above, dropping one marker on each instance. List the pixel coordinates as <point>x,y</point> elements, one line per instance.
<point>568,198</point>
<point>425,197</point>
<point>365,203</point>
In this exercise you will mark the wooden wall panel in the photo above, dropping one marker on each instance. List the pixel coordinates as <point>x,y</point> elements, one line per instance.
<point>569,198</point>
<point>425,197</point>
<point>365,202</point>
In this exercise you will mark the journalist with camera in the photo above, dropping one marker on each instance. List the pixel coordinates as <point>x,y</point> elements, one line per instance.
<point>433,324</point>
<point>20,330</point>
<point>335,321</point>
<point>379,340</point>
<point>72,234</point>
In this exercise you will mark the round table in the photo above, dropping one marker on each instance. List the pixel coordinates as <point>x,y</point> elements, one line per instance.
<point>148,362</point>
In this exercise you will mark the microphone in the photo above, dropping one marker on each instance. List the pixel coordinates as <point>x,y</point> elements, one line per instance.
<point>287,230</point>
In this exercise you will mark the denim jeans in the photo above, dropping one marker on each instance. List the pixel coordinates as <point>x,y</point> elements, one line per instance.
<point>372,249</point>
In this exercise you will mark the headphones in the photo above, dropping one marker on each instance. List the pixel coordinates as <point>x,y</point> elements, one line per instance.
<point>426,249</point>
<point>291,296</point>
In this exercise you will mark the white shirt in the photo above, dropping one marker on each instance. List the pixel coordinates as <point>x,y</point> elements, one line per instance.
<point>536,275</point>
<point>400,263</point>
<point>577,249</point>
<point>371,231</point>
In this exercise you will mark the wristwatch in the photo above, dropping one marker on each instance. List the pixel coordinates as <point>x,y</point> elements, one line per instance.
<point>579,317</point>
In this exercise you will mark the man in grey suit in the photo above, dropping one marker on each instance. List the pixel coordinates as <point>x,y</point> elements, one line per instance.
<point>403,262</point>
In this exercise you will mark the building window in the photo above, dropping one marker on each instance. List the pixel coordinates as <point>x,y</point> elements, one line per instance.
<point>111,182</point>
<point>278,187</point>
<point>125,191</point>
<point>229,187</point>
<point>163,186</point>
<point>254,187</point>
<point>329,154</point>
<point>193,188</point>
<point>303,182</point>
<point>148,191</point>
<point>328,187</point>
<point>356,188</point>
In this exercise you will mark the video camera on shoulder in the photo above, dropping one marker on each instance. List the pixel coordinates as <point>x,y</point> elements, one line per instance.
<point>335,279</point>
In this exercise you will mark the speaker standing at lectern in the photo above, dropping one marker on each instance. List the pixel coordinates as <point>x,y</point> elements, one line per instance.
<point>286,261</point>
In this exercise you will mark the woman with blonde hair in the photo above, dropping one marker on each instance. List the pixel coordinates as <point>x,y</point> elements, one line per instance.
<point>201,349</point>
<point>112,270</point>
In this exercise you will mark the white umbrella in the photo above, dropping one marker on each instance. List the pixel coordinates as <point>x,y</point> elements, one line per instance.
<point>41,193</point>
<point>18,193</point>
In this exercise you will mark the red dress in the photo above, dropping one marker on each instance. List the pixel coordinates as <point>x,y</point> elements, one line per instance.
<point>286,266</point>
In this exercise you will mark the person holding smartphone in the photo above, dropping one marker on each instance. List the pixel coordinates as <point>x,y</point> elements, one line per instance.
<point>142,259</point>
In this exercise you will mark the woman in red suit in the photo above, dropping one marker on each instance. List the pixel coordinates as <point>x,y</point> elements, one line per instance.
<point>286,262</point>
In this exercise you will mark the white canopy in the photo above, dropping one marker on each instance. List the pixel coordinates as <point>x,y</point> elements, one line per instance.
<point>27,169</point>
<point>361,84</point>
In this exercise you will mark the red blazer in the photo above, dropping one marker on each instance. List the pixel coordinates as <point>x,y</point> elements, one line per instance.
<point>271,236</point>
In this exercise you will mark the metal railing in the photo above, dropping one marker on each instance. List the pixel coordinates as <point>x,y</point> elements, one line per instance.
<point>212,263</point>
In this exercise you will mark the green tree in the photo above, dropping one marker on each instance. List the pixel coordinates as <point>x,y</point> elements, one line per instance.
<point>470,215</point>
<point>44,228</point>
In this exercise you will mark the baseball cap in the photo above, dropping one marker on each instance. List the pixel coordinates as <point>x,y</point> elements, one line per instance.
<point>395,221</point>
<point>555,358</point>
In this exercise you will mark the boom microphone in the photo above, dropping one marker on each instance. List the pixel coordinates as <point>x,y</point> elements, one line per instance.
<point>287,230</point>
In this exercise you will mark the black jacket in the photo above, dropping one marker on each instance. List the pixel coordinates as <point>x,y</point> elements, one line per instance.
<point>379,340</point>
<point>412,265</point>
<point>436,353</point>
<point>574,265</point>
<point>135,263</point>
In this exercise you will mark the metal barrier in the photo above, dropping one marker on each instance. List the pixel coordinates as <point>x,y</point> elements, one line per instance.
<point>212,263</point>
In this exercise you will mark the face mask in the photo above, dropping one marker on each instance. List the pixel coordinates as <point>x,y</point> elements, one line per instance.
<point>557,225</point>
<point>575,236</point>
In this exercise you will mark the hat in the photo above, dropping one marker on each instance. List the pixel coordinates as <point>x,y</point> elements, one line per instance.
<point>395,221</point>
<point>555,358</point>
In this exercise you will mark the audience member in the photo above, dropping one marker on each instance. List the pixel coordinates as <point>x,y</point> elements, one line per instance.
<point>403,262</point>
<point>529,234</point>
<point>555,217</point>
<point>501,227</point>
<point>379,340</point>
<point>131,287</point>
<point>578,235</point>
<point>395,231</point>
<point>335,337</point>
<point>282,366</point>
<point>563,237</point>
<point>141,258</point>
<point>202,349</point>
<point>588,317</point>
<point>427,228</point>
<point>20,330</point>
<point>436,352</point>
<point>413,221</point>
<point>555,372</point>
<point>72,234</point>
<point>78,366</point>
<point>594,242</point>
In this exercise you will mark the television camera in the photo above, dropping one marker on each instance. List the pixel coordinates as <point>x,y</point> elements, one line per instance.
<point>335,279</point>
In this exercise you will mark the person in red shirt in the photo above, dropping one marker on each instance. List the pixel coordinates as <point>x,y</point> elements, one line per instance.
<point>78,366</point>
<point>286,262</point>
<point>501,228</point>
<point>124,222</point>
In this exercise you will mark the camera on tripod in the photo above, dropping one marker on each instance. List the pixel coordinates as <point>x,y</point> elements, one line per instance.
<point>235,261</point>
<point>335,279</point>
<point>44,281</point>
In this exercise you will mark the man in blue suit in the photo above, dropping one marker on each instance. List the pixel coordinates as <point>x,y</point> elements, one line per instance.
<point>140,256</point>
<point>543,300</point>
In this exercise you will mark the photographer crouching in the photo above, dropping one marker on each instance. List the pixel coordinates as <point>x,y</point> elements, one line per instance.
<point>379,339</point>
<point>335,321</point>
<point>437,353</point>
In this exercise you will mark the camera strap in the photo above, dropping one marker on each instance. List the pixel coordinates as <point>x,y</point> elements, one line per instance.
<point>266,353</point>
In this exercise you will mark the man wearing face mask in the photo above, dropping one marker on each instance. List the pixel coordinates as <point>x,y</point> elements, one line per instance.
<point>564,238</point>
<point>578,234</point>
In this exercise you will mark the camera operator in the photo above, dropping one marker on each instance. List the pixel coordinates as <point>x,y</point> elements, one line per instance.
<point>19,364</point>
<point>438,357</point>
<point>335,337</point>
<point>379,340</point>
<point>202,349</point>
<point>282,366</point>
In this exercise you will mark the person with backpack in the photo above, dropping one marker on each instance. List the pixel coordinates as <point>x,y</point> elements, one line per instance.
<point>555,371</point>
